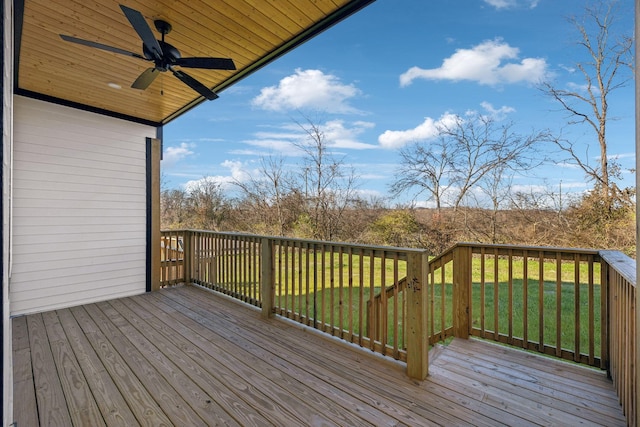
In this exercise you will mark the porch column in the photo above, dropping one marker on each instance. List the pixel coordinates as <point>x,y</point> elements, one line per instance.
<point>153,213</point>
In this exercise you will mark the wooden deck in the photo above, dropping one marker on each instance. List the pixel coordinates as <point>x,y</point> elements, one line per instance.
<point>184,356</point>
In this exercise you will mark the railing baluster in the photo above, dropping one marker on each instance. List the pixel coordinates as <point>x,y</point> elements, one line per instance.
<point>372,293</point>
<point>395,306</point>
<point>510,296</point>
<point>361,299</point>
<point>315,287</point>
<point>332,302</point>
<point>496,306</point>
<point>443,291</point>
<point>350,311</point>
<point>383,298</point>
<point>591,313</point>
<point>287,286</point>
<point>432,301</point>
<point>525,299</point>
<point>541,301</point>
<point>576,307</point>
<point>482,293</point>
<point>340,296</point>
<point>558,305</point>
<point>323,278</point>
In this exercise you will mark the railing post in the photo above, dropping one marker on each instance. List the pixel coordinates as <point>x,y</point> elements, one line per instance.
<point>461,291</point>
<point>187,256</point>
<point>266,277</point>
<point>417,339</point>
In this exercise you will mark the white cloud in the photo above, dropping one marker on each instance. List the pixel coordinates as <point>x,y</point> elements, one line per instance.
<point>622,156</point>
<point>237,173</point>
<point>284,145</point>
<point>308,89</point>
<point>485,64</point>
<point>507,4</point>
<point>173,155</point>
<point>497,113</point>
<point>428,129</point>
<point>568,68</point>
<point>237,170</point>
<point>582,88</point>
<point>337,134</point>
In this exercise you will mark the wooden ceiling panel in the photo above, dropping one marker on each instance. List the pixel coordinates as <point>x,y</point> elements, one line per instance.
<point>251,32</point>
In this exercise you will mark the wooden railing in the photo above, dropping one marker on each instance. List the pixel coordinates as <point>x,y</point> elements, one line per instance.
<point>574,304</point>
<point>324,285</point>
<point>620,273</point>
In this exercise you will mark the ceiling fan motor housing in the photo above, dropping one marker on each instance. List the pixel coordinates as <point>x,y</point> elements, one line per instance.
<point>169,55</point>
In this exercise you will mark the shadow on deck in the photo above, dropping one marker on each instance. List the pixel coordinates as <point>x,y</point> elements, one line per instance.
<point>184,356</point>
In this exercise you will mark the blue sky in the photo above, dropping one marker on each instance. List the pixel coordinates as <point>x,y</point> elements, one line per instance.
<point>386,76</point>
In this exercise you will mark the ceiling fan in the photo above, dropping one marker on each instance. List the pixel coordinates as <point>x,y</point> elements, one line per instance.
<point>164,56</point>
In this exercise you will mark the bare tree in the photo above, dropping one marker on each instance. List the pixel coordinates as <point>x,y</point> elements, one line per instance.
<point>208,205</point>
<point>426,167</point>
<point>329,184</point>
<point>471,152</point>
<point>174,209</point>
<point>606,70</point>
<point>270,194</point>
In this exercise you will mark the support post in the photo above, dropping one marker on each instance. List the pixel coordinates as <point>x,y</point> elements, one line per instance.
<point>266,277</point>
<point>187,256</point>
<point>461,291</point>
<point>154,220</point>
<point>417,337</point>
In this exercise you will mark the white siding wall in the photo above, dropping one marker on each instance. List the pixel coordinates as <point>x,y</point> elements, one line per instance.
<point>79,207</point>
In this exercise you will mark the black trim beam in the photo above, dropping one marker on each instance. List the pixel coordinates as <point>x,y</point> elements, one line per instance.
<point>18,17</point>
<point>77,105</point>
<point>329,21</point>
<point>160,137</point>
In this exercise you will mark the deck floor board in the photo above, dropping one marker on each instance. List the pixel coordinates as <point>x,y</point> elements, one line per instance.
<point>185,356</point>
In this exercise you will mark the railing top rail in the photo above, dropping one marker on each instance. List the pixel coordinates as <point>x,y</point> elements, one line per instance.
<point>502,249</point>
<point>581,251</point>
<point>623,264</point>
<point>324,243</point>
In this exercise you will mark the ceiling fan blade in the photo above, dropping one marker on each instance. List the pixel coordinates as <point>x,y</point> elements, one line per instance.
<point>195,85</point>
<point>207,63</point>
<point>100,46</point>
<point>145,79</point>
<point>144,31</point>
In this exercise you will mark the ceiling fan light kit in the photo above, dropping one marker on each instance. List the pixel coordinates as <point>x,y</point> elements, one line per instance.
<point>164,56</point>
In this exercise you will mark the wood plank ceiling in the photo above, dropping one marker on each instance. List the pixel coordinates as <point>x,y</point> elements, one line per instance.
<point>251,32</point>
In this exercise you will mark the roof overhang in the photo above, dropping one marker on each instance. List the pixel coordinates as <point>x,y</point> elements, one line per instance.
<point>252,33</point>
